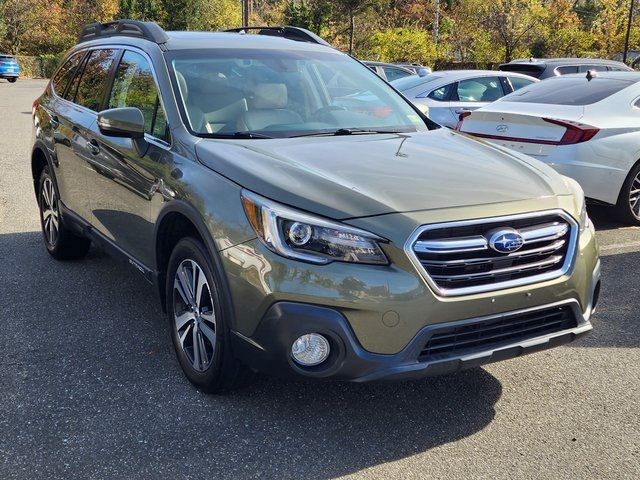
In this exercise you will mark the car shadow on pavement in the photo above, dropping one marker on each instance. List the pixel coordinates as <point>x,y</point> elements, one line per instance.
<point>604,217</point>
<point>95,390</point>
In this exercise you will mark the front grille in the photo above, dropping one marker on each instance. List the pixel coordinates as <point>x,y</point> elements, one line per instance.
<point>487,334</point>
<point>457,257</point>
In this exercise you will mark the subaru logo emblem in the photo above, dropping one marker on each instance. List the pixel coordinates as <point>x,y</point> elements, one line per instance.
<point>506,240</point>
<point>502,128</point>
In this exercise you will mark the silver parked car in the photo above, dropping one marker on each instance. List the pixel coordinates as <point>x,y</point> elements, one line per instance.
<point>447,94</point>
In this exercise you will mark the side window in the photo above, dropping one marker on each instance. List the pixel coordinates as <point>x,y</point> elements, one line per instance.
<point>134,86</point>
<point>95,78</point>
<point>394,73</point>
<point>517,83</point>
<point>482,89</point>
<point>567,69</point>
<point>441,94</point>
<point>597,68</point>
<point>64,75</point>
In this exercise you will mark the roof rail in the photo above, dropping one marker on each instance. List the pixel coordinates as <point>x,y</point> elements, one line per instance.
<point>292,33</point>
<point>129,28</point>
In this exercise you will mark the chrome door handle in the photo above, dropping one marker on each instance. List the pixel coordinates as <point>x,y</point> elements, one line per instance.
<point>458,111</point>
<point>54,121</point>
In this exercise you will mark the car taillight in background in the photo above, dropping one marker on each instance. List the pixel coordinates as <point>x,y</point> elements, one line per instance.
<point>461,118</point>
<point>576,132</point>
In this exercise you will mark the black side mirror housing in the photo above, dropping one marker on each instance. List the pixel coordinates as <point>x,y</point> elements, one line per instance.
<point>122,122</point>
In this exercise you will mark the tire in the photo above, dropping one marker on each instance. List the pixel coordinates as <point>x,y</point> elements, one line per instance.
<point>12,80</point>
<point>61,243</point>
<point>198,322</point>
<point>629,199</point>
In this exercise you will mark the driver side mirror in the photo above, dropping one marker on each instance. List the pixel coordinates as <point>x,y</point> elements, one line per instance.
<point>122,122</point>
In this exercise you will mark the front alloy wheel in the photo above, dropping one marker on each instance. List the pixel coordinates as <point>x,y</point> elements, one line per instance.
<point>194,315</point>
<point>634,197</point>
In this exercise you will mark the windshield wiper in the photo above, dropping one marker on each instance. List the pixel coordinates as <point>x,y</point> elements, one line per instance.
<point>346,131</point>
<point>249,135</point>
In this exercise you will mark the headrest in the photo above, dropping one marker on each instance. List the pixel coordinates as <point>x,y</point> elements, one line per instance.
<point>270,95</point>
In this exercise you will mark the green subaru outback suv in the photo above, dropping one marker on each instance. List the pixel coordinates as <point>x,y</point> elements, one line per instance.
<point>300,217</point>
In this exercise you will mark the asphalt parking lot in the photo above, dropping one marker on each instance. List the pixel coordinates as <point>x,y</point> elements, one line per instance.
<point>90,387</point>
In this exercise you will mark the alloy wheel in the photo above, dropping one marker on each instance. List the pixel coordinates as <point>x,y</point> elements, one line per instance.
<point>50,212</point>
<point>194,315</point>
<point>634,196</point>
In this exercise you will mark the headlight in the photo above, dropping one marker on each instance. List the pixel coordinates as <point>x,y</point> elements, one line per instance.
<point>303,236</point>
<point>584,216</point>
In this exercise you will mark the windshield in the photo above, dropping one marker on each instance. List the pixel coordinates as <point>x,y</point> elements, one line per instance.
<point>243,93</point>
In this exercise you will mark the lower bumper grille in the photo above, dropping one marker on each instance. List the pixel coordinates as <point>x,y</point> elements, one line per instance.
<point>463,339</point>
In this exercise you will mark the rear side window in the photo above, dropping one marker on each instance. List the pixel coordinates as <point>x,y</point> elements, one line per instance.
<point>395,73</point>
<point>532,70</point>
<point>134,86</point>
<point>95,78</point>
<point>517,83</point>
<point>64,75</point>
<point>441,94</point>
<point>570,91</point>
<point>596,68</point>
<point>566,70</point>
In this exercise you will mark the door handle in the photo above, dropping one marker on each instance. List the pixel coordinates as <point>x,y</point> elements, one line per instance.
<point>458,111</point>
<point>55,122</point>
<point>93,147</point>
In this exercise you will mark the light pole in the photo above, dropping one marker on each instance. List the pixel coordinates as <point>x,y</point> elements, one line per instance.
<point>626,39</point>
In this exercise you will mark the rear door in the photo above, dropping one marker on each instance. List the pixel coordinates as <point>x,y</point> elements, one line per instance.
<point>121,181</point>
<point>76,114</point>
<point>473,93</point>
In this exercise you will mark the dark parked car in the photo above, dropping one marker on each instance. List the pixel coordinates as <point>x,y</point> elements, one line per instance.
<point>9,68</point>
<point>542,68</point>
<point>292,230</point>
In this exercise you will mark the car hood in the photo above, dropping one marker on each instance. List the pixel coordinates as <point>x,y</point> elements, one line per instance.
<point>364,175</point>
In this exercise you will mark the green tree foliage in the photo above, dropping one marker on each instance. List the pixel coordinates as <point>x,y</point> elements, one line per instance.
<point>480,32</point>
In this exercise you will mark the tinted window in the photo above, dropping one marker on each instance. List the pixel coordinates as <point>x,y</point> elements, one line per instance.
<point>567,69</point>
<point>570,91</point>
<point>441,94</point>
<point>517,83</point>
<point>532,70</point>
<point>94,81</point>
<point>395,73</point>
<point>483,89</point>
<point>66,72</point>
<point>597,68</point>
<point>134,86</point>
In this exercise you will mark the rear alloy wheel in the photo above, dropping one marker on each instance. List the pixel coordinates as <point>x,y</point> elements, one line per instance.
<point>198,320</point>
<point>61,243</point>
<point>629,200</point>
<point>12,80</point>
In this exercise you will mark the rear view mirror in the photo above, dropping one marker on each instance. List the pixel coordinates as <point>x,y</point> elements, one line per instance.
<point>122,122</point>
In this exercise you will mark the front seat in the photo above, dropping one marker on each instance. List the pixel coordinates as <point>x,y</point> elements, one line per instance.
<point>267,108</point>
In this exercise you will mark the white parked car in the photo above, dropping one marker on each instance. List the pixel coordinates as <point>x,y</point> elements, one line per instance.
<point>587,127</point>
<point>446,94</point>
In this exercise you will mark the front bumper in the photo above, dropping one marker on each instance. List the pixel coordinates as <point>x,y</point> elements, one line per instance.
<point>268,349</point>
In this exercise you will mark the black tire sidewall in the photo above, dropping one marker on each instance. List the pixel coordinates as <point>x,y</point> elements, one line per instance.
<point>190,248</point>
<point>623,201</point>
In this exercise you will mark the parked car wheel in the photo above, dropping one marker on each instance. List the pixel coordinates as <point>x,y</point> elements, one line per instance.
<point>197,321</point>
<point>629,199</point>
<point>12,80</point>
<point>61,243</point>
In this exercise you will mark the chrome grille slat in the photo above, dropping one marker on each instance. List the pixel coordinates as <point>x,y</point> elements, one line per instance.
<point>501,271</point>
<point>516,255</point>
<point>456,259</point>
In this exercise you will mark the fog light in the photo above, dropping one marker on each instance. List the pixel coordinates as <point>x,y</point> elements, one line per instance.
<point>309,350</point>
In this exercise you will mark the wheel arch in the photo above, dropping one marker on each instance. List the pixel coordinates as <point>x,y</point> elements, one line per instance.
<point>179,219</point>
<point>39,160</point>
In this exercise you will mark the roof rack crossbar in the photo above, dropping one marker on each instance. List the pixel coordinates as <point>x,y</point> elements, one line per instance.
<point>129,28</point>
<point>292,33</point>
